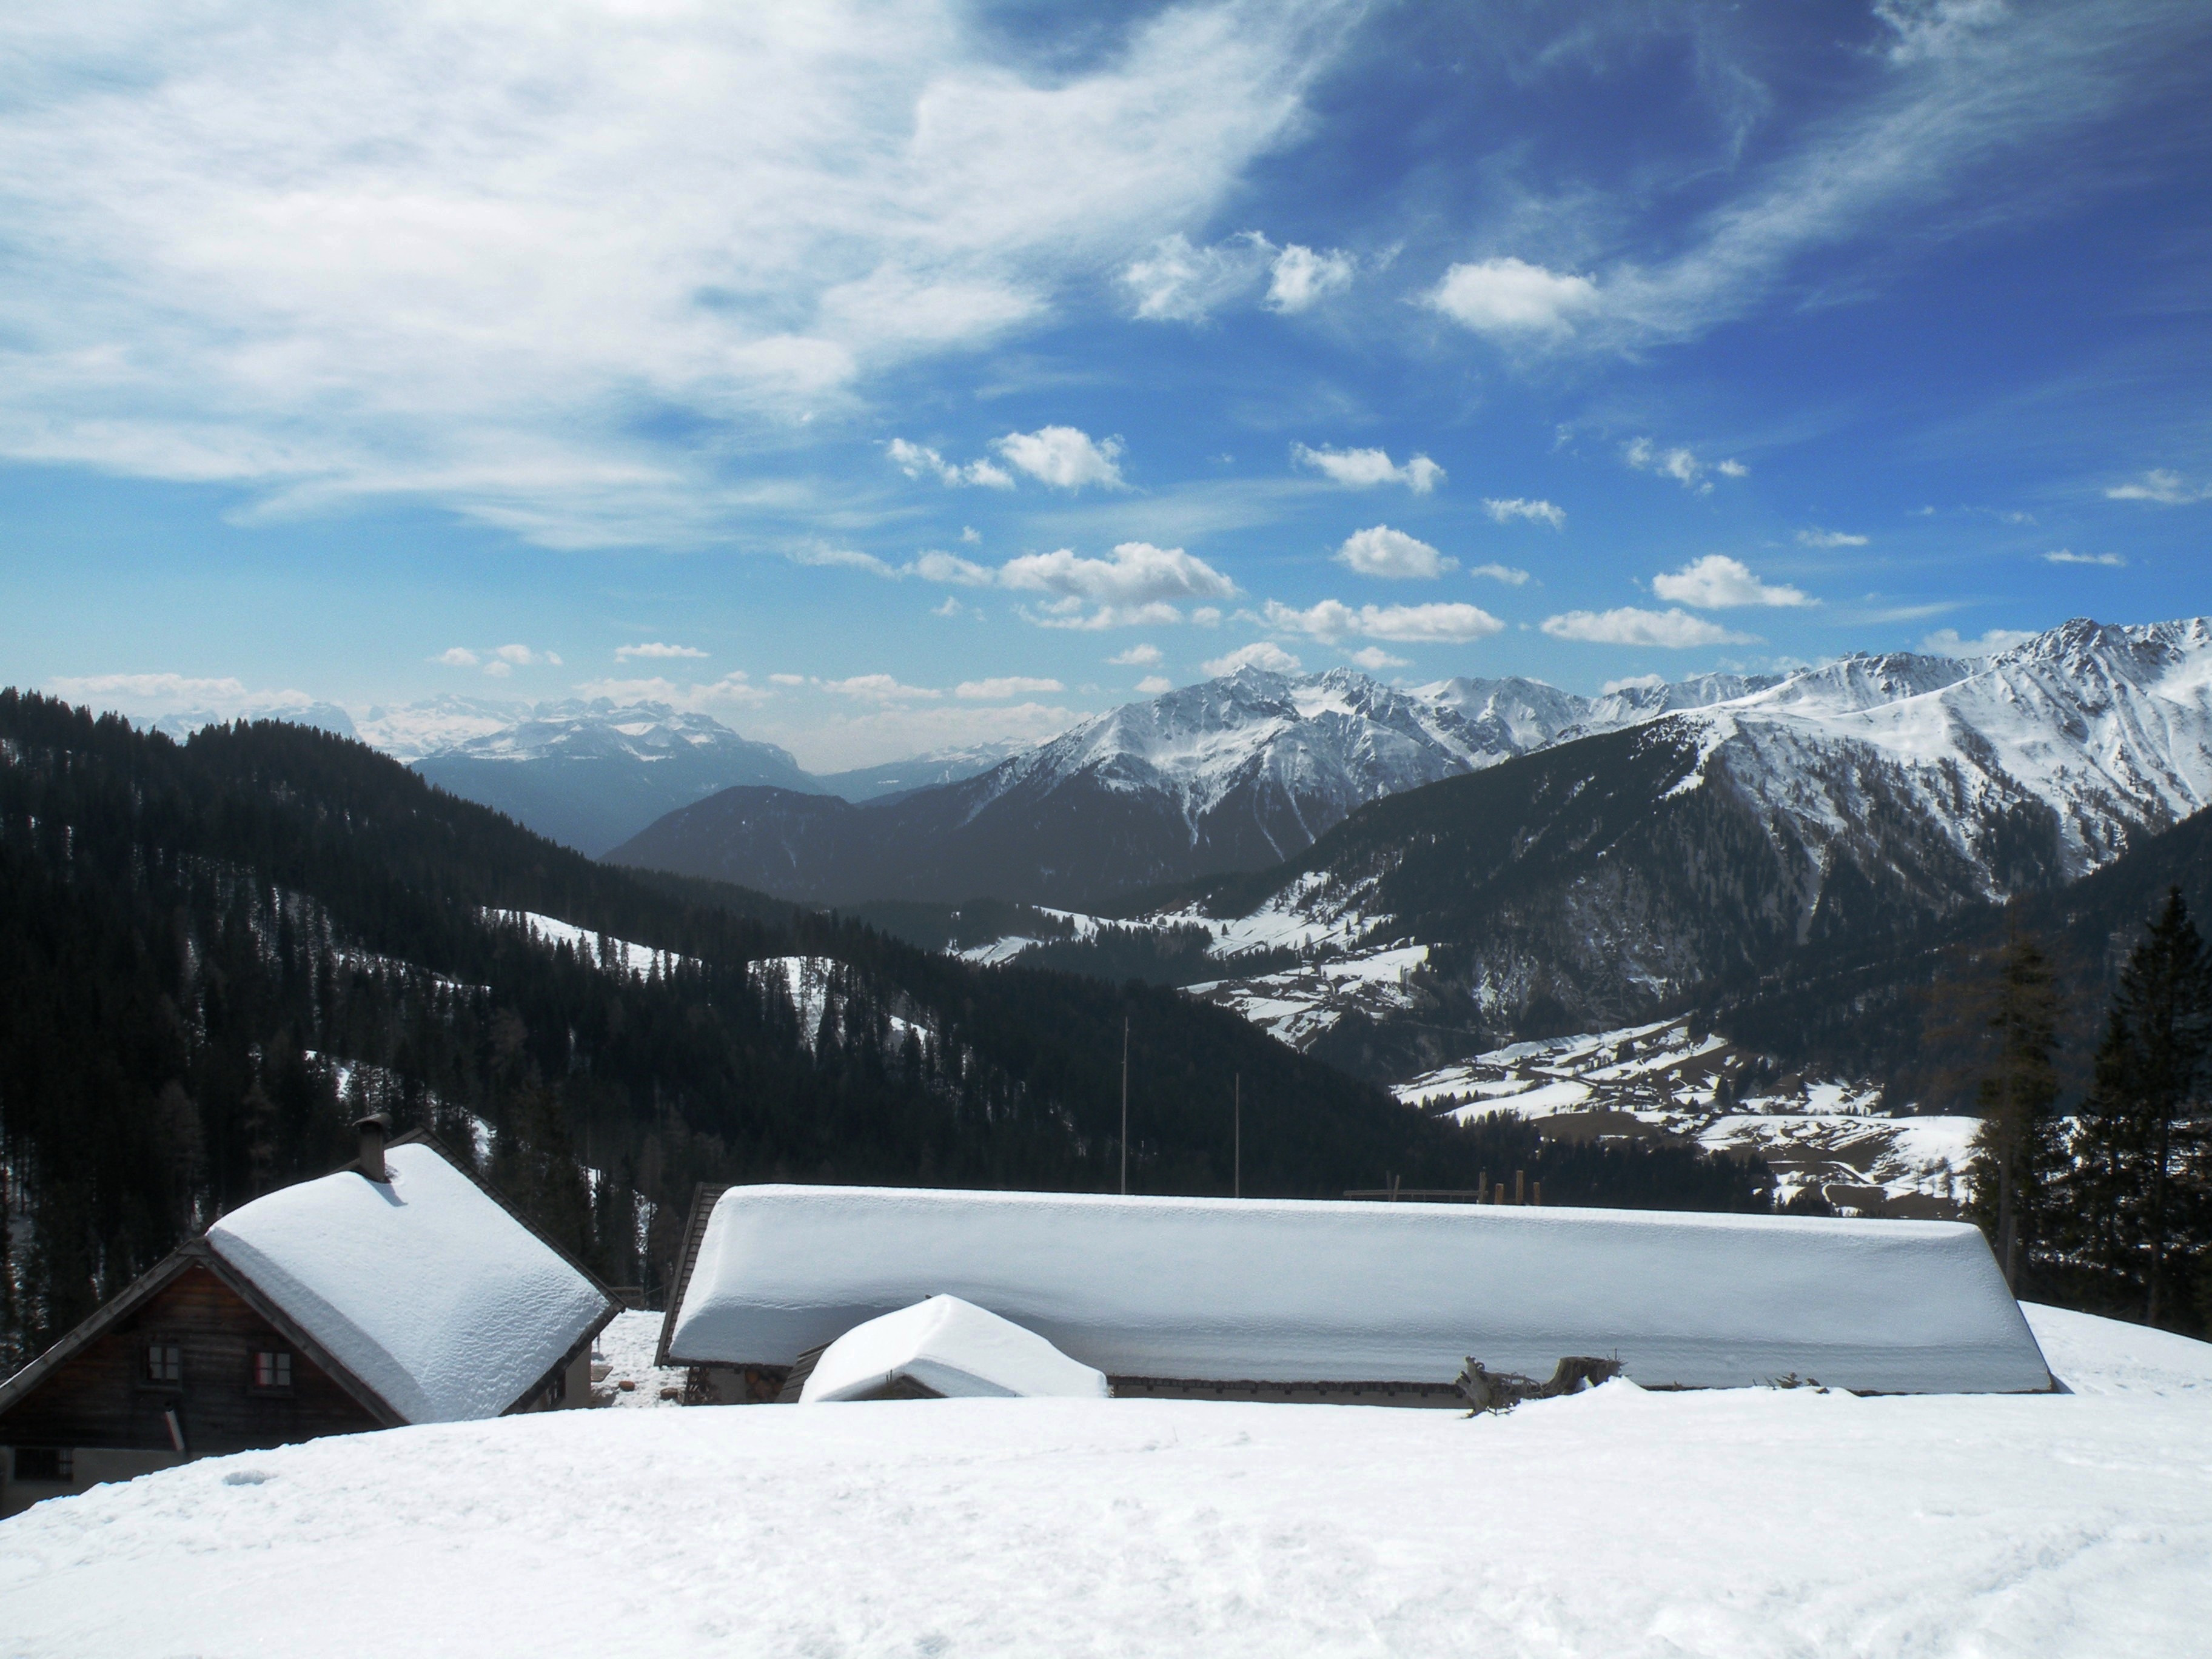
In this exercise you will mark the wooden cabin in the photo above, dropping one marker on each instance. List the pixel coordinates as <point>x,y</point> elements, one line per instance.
<point>400,1290</point>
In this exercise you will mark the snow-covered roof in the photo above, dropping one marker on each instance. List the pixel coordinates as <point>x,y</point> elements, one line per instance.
<point>952,1348</point>
<point>1283,1291</point>
<point>426,1288</point>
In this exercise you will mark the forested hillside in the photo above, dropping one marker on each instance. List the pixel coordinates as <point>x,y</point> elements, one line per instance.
<point>213,954</point>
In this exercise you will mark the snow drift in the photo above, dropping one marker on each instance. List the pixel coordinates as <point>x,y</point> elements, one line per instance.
<point>1280,1291</point>
<point>952,1349</point>
<point>423,1287</point>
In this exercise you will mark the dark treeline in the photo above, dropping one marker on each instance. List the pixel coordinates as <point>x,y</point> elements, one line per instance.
<point>1620,1172</point>
<point>214,955</point>
<point>2107,1207</point>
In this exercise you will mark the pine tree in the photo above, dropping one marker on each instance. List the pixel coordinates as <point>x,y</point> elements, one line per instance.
<point>2134,1215</point>
<point>2017,1149</point>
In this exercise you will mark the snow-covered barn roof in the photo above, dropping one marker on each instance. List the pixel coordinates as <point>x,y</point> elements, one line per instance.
<point>425,1287</point>
<point>1281,1290</point>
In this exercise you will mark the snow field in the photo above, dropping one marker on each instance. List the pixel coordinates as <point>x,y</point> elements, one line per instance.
<point>626,1347</point>
<point>1752,1522</point>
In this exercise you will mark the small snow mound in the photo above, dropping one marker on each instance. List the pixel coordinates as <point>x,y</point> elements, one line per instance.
<point>953,1349</point>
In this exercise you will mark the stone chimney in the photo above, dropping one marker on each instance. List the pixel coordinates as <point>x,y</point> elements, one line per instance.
<point>374,1130</point>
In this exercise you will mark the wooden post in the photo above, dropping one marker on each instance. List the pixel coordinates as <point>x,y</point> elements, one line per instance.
<point>1517,1198</point>
<point>1237,1153</point>
<point>1482,1188</point>
<point>1537,1192</point>
<point>1500,1197</point>
<point>1125,1105</point>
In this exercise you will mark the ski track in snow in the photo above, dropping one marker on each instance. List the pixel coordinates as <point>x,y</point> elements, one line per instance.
<point>1736,1524</point>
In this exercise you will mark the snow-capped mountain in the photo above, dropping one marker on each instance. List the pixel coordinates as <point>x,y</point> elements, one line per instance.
<point>1603,879</point>
<point>588,774</point>
<point>1232,773</point>
<point>923,771</point>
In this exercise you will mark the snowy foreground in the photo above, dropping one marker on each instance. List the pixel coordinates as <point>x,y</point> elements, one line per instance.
<point>1615,1523</point>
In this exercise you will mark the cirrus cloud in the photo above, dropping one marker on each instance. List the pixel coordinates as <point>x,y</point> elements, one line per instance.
<point>2162,487</point>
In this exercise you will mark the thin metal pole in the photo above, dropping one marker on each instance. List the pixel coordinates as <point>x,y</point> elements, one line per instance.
<point>1237,1156</point>
<point>1125,1105</point>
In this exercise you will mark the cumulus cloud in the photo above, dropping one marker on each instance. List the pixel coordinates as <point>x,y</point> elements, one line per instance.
<point>457,656</point>
<point>1137,572</point>
<point>500,661</point>
<point>1374,658</point>
<point>1137,656</point>
<point>655,650</point>
<point>1064,456</point>
<point>1152,685</point>
<point>1332,620</point>
<point>1512,298</point>
<point>421,252</point>
<point>1829,538</point>
<point>1363,469</point>
<point>1264,654</point>
<point>1679,463</point>
<point>1946,642</point>
<point>878,687</point>
<point>1537,512</point>
<point>952,569</point>
<point>1511,575</point>
<point>1181,281</point>
<point>2067,555</point>
<point>1672,630</point>
<point>1301,278</point>
<point>2164,488</point>
<point>1005,686</point>
<point>1383,551</point>
<point>918,461</point>
<point>221,697</point>
<point>732,690</point>
<point>1717,582</point>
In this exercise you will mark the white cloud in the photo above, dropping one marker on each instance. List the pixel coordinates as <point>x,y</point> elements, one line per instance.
<point>1679,463</point>
<point>1374,658</point>
<point>1673,630</point>
<point>1331,620</point>
<point>426,253</point>
<point>1383,551</point>
<point>2067,555</point>
<point>1264,654</point>
<point>1538,512</point>
<point>1717,582</point>
<point>1511,575</point>
<point>521,656</point>
<point>655,650</point>
<point>878,687</point>
<point>733,690</point>
<point>997,690</point>
<point>1064,456</point>
<point>952,607</point>
<point>1069,613</point>
<point>1138,574</point>
<point>1152,685</point>
<point>215,697</point>
<point>1179,282</point>
<point>1829,538</point>
<point>951,569</point>
<point>788,679</point>
<point>1633,683</point>
<point>2164,488</point>
<point>1946,642</point>
<point>826,557</point>
<point>917,459</point>
<point>1302,278</point>
<point>1137,656</point>
<point>969,534</point>
<point>1512,297</point>
<point>1363,469</point>
<point>457,656</point>
<point>499,663</point>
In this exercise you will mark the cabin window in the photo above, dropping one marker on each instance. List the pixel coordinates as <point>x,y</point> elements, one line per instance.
<point>557,1389</point>
<point>165,1363</point>
<point>272,1369</point>
<point>45,1463</point>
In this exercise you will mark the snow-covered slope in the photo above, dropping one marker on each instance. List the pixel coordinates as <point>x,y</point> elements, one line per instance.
<point>1590,883</point>
<point>1753,1524</point>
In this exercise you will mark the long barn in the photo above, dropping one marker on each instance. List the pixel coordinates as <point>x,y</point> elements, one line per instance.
<point>1358,1301</point>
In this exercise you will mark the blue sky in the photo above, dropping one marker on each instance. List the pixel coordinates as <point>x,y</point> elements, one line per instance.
<point>876,377</point>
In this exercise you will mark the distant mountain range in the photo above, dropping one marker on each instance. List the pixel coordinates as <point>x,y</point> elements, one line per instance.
<point>1234,774</point>
<point>591,774</point>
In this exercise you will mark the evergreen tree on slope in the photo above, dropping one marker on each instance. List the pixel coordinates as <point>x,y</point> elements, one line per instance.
<point>2017,1149</point>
